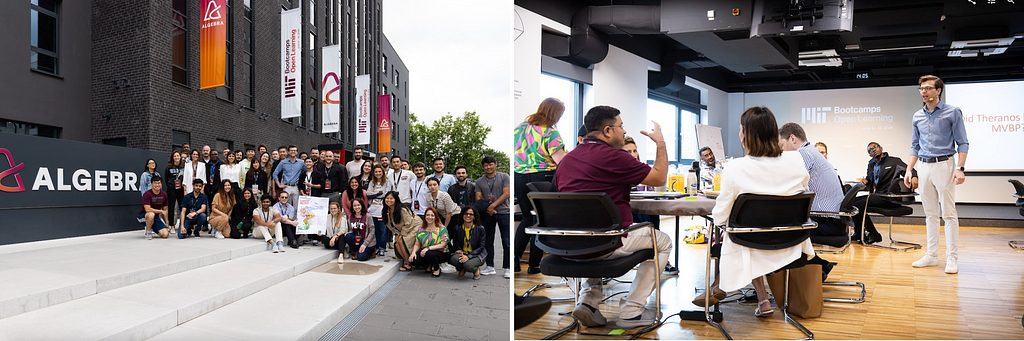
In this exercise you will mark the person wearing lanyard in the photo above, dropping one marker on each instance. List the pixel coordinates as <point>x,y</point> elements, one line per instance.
<point>286,176</point>
<point>494,188</point>
<point>195,170</point>
<point>882,170</point>
<point>939,135</point>
<point>267,219</point>
<point>312,180</point>
<point>419,189</point>
<point>401,180</point>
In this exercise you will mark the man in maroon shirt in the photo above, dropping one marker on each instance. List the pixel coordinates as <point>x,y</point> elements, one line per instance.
<point>599,164</point>
<point>154,210</point>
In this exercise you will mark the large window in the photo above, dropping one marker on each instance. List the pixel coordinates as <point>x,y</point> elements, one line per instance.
<point>179,42</point>
<point>667,115</point>
<point>22,128</point>
<point>248,63</point>
<point>44,36</point>
<point>571,94</point>
<point>225,92</point>
<point>677,126</point>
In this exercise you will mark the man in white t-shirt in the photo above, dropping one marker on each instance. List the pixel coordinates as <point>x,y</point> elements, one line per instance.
<point>402,180</point>
<point>419,189</point>
<point>355,167</point>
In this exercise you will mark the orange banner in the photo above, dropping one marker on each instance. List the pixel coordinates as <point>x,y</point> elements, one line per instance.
<point>212,44</point>
<point>384,123</point>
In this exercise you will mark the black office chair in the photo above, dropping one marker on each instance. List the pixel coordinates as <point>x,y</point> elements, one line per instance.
<point>1019,188</point>
<point>770,222</point>
<point>534,187</point>
<point>845,214</point>
<point>587,224</point>
<point>903,210</point>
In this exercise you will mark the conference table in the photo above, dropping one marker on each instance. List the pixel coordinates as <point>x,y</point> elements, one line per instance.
<point>687,206</point>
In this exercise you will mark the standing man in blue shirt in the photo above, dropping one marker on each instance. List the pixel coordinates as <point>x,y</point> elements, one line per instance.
<point>286,176</point>
<point>938,134</point>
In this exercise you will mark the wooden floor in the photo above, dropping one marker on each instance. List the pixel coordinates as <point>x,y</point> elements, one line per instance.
<point>984,301</point>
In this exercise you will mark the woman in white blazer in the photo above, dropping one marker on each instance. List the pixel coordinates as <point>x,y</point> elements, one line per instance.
<point>193,170</point>
<point>766,169</point>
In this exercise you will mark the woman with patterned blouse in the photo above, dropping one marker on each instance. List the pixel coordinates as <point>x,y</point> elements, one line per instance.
<point>431,247</point>
<point>539,149</point>
<point>441,201</point>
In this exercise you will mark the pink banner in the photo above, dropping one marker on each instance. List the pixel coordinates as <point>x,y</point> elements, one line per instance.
<point>384,123</point>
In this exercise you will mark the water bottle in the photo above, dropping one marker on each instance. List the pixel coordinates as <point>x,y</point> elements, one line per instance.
<point>691,180</point>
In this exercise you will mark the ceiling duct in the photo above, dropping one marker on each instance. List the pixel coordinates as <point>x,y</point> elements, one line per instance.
<point>980,41</point>
<point>588,43</point>
<point>671,77</point>
<point>820,58</point>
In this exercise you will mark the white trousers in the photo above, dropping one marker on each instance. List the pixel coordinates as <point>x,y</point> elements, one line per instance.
<point>261,231</point>
<point>591,291</point>
<point>937,196</point>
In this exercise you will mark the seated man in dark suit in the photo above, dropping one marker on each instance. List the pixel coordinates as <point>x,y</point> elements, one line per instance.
<point>882,170</point>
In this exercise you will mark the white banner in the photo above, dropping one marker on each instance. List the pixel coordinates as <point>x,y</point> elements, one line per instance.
<point>312,215</point>
<point>363,109</point>
<point>331,85</point>
<point>291,63</point>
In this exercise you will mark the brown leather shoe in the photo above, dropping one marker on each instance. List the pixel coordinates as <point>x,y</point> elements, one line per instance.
<point>462,273</point>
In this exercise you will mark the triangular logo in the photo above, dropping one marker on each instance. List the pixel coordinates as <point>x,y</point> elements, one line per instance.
<point>385,125</point>
<point>212,11</point>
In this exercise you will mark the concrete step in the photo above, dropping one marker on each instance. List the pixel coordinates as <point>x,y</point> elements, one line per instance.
<point>301,308</point>
<point>40,274</point>
<point>152,305</point>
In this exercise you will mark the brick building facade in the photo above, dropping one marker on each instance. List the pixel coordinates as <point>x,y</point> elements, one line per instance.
<point>116,66</point>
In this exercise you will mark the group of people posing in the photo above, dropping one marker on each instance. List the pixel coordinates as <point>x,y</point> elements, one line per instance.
<point>602,163</point>
<point>373,206</point>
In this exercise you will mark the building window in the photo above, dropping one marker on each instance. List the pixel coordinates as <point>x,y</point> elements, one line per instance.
<point>22,128</point>
<point>117,141</point>
<point>179,138</point>
<point>396,78</point>
<point>675,120</point>
<point>248,62</point>
<point>179,42</point>
<point>570,93</point>
<point>394,130</point>
<point>394,102</point>
<point>384,64</point>
<point>312,12</point>
<point>225,92</point>
<point>44,36</point>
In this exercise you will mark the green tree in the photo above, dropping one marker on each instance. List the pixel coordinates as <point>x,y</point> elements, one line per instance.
<point>458,139</point>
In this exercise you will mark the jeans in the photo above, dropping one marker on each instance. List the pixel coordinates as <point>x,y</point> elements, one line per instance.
<point>503,224</point>
<point>382,233</point>
<point>525,206</point>
<point>350,239</point>
<point>195,223</point>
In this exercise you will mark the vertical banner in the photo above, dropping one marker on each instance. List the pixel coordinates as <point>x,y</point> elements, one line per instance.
<point>331,85</point>
<point>363,109</point>
<point>384,123</point>
<point>291,63</point>
<point>212,44</point>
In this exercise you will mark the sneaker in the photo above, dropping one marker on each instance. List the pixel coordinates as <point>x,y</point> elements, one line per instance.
<point>926,261</point>
<point>149,235</point>
<point>219,235</point>
<point>280,246</point>
<point>273,247</point>
<point>588,316</point>
<point>380,252</point>
<point>487,271</point>
<point>671,270</point>
<point>508,273</point>
<point>197,236</point>
<point>951,267</point>
<point>341,258</point>
<point>316,242</point>
<point>646,318</point>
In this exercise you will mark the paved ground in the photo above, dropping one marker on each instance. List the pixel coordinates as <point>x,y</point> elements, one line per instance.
<point>424,308</point>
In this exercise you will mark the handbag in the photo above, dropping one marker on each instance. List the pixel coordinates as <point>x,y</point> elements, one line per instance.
<point>805,288</point>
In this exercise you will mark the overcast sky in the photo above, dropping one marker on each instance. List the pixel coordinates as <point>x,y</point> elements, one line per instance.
<point>459,55</point>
